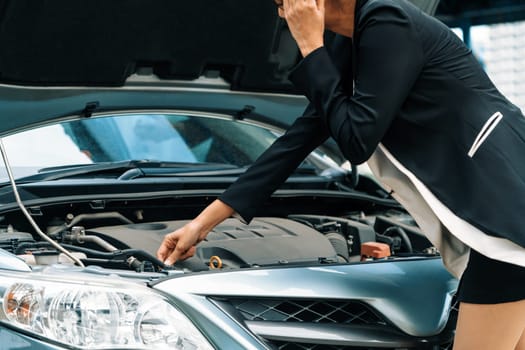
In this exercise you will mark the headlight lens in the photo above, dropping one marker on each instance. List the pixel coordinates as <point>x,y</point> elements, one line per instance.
<point>102,317</point>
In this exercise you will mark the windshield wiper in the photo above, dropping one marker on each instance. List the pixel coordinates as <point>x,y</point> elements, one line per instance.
<point>303,169</point>
<point>123,170</point>
<point>134,169</point>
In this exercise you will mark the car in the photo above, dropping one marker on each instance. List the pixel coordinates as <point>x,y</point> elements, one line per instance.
<point>121,121</point>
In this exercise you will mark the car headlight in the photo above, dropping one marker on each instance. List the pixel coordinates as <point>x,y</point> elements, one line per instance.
<point>89,316</point>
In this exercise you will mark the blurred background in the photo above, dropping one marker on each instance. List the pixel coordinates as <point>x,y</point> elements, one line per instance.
<point>495,31</point>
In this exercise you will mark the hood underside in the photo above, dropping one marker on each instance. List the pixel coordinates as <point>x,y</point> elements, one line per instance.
<point>102,43</point>
<point>64,58</point>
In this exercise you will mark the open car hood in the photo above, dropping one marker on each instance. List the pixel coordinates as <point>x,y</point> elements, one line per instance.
<point>95,46</point>
<point>101,43</point>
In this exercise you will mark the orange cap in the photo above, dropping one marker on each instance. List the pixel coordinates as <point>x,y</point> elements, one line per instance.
<point>375,250</point>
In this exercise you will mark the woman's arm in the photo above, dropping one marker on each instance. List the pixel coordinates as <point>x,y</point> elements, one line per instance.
<point>180,244</point>
<point>389,60</point>
<point>275,165</point>
<point>252,188</point>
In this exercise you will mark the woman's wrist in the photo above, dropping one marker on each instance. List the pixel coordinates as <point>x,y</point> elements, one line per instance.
<point>308,49</point>
<point>211,216</point>
<point>309,44</point>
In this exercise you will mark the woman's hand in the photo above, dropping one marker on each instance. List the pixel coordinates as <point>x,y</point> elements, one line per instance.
<point>181,244</point>
<point>306,20</point>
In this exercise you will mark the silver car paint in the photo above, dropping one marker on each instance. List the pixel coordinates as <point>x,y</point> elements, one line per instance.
<point>11,262</point>
<point>415,295</point>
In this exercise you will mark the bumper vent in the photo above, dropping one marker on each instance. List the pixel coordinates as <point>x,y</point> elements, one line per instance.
<point>302,324</point>
<point>306,311</point>
<point>288,346</point>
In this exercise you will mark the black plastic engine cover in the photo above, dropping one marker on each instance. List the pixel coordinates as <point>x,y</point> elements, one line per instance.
<point>264,242</point>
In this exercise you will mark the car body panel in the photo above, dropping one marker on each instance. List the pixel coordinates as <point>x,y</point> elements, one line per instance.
<point>22,107</point>
<point>14,339</point>
<point>401,290</point>
<point>9,261</point>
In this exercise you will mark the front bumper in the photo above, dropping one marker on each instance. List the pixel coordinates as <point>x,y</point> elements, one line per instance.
<point>405,304</point>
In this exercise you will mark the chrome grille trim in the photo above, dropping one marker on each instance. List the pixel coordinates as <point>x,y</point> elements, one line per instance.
<point>328,325</point>
<point>332,334</point>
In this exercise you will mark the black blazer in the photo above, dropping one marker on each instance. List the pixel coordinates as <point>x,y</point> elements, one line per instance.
<point>421,93</point>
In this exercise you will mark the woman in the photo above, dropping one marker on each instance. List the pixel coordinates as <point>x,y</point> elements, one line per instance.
<point>407,96</point>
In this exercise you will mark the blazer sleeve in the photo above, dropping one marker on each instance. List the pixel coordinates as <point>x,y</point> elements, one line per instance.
<point>275,165</point>
<point>389,59</point>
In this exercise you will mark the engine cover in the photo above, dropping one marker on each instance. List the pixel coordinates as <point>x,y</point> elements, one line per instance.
<point>264,242</point>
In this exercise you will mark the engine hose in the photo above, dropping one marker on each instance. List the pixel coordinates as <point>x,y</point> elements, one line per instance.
<point>404,237</point>
<point>137,253</point>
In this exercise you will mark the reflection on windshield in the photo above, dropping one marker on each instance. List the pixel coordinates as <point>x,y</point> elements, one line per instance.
<point>156,137</point>
<point>137,137</point>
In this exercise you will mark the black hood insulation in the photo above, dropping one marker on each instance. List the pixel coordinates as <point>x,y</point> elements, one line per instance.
<point>101,42</point>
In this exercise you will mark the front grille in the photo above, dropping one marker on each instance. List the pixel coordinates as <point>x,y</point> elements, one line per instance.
<point>289,346</point>
<point>353,314</point>
<point>315,311</point>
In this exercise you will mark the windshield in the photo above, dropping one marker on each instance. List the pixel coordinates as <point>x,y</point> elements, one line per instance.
<point>155,137</point>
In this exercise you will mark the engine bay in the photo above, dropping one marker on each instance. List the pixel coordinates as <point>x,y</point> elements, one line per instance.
<point>304,240</point>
